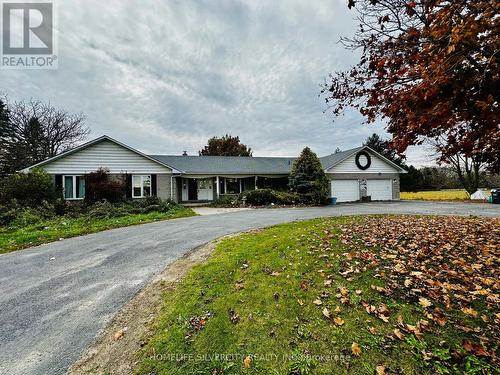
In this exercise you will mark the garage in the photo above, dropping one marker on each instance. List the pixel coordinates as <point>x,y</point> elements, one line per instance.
<point>345,190</point>
<point>379,190</point>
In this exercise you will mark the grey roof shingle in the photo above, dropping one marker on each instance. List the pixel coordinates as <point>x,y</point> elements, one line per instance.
<point>241,164</point>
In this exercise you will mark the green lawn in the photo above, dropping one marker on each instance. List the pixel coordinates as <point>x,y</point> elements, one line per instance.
<point>12,239</point>
<point>275,302</point>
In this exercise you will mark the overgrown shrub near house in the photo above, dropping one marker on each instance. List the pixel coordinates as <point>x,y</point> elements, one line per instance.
<point>308,179</point>
<point>263,197</point>
<point>226,201</point>
<point>100,185</point>
<point>28,189</point>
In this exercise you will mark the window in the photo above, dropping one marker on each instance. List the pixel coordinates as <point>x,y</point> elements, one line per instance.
<point>141,186</point>
<point>74,187</point>
<point>233,186</point>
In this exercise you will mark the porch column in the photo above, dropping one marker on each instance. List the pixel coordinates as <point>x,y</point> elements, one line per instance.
<point>256,177</point>
<point>217,186</point>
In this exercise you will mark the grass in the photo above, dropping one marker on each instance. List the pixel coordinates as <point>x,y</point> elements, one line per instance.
<point>440,195</point>
<point>271,279</point>
<point>12,239</point>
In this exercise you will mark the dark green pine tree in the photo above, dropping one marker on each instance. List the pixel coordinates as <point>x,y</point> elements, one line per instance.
<point>5,133</point>
<point>308,179</point>
<point>382,146</point>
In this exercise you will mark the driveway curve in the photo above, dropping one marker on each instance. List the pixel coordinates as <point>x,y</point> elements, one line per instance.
<point>55,298</point>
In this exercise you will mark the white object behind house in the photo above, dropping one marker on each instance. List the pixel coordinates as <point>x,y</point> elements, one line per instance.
<point>478,195</point>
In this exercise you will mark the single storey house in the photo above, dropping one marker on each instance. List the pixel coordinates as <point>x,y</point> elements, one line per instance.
<point>354,173</point>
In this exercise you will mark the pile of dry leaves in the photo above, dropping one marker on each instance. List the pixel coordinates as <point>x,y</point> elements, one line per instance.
<point>446,264</point>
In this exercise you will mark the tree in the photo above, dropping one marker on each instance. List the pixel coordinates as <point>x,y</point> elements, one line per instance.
<point>430,69</point>
<point>225,146</point>
<point>28,189</point>
<point>5,129</point>
<point>308,178</point>
<point>383,147</point>
<point>468,169</point>
<point>38,131</point>
<point>412,180</point>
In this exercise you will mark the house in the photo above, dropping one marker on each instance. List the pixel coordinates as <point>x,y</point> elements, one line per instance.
<point>353,173</point>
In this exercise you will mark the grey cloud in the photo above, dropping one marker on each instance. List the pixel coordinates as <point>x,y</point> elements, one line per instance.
<point>163,76</point>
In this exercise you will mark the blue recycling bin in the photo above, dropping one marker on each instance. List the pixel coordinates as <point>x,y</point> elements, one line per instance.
<point>333,201</point>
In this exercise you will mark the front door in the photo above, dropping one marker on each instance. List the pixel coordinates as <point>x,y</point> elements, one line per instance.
<point>205,189</point>
<point>192,190</point>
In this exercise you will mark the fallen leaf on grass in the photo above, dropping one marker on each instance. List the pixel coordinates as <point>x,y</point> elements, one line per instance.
<point>469,311</point>
<point>247,362</point>
<point>233,316</point>
<point>424,302</point>
<point>317,302</point>
<point>344,291</point>
<point>304,285</point>
<point>398,334</point>
<point>355,349</point>
<point>339,321</point>
<point>326,313</point>
<point>475,349</point>
<point>380,370</point>
<point>300,302</point>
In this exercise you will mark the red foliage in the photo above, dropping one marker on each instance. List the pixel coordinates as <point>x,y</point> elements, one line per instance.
<point>431,69</point>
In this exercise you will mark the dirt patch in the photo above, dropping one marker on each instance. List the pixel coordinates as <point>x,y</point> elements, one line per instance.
<point>115,349</point>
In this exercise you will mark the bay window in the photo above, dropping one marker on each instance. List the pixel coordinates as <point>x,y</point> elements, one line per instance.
<point>141,186</point>
<point>74,187</point>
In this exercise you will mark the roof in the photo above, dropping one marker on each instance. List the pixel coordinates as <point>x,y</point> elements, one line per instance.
<point>91,143</point>
<point>245,164</point>
<point>227,164</point>
<point>224,164</point>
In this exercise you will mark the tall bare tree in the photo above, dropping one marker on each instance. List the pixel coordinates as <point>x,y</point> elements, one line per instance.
<point>37,131</point>
<point>468,168</point>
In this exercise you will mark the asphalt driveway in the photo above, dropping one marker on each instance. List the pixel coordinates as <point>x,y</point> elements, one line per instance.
<point>55,298</point>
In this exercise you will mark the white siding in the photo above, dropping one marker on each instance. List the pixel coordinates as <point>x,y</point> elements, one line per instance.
<point>377,166</point>
<point>104,154</point>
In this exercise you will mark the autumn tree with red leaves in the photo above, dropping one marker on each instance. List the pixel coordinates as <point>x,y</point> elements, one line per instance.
<point>430,69</point>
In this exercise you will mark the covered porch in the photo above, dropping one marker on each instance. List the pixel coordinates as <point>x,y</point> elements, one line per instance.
<point>203,188</point>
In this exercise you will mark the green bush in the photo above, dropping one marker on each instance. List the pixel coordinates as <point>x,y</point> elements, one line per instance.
<point>308,179</point>
<point>226,201</point>
<point>28,189</point>
<point>263,197</point>
<point>106,210</point>
<point>148,201</point>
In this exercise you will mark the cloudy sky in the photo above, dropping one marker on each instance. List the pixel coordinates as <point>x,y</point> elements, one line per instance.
<point>163,76</point>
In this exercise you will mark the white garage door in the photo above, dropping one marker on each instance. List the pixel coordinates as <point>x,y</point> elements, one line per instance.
<point>345,190</point>
<point>379,190</point>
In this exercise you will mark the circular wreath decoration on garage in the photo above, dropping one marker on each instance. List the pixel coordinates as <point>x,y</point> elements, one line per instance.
<point>368,160</point>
